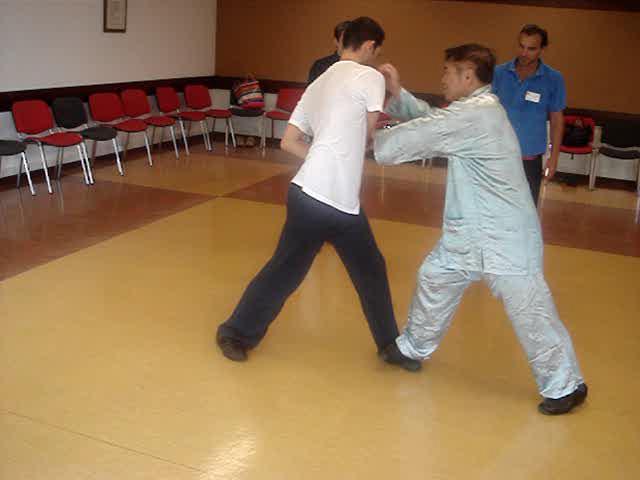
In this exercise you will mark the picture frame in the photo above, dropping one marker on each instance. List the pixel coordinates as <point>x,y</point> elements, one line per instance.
<point>115,16</point>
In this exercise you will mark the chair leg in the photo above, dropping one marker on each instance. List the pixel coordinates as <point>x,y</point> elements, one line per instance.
<point>87,163</point>
<point>44,166</point>
<point>26,171</point>
<point>233,134</point>
<point>173,139</point>
<point>146,144</point>
<point>116,149</point>
<point>184,137</point>
<point>263,136</point>
<point>59,158</point>
<point>263,132</point>
<point>205,135</point>
<point>84,167</point>
<point>19,173</point>
<point>593,170</point>
<point>93,152</point>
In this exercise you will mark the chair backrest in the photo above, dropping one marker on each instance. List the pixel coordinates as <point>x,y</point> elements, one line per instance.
<point>288,98</point>
<point>621,133</point>
<point>105,107</point>
<point>167,98</point>
<point>69,112</point>
<point>32,116</point>
<point>197,97</point>
<point>586,121</point>
<point>135,102</point>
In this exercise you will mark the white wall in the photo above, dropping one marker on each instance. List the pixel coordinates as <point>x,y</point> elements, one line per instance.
<point>54,43</point>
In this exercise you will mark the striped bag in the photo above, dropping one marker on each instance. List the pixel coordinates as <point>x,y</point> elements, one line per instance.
<point>248,93</point>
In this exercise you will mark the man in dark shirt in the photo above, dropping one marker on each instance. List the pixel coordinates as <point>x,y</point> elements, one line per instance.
<point>320,65</point>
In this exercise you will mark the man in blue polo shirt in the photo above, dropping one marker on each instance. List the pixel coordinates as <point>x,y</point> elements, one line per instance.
<point>532,92</point>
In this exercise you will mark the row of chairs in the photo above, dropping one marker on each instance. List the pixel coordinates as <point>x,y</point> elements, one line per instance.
<point>129,113</point>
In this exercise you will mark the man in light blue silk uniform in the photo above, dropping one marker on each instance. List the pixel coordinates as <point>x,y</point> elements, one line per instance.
<point>491,230</point>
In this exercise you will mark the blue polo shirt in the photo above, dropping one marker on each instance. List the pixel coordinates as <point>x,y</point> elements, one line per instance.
<point>529,102</point>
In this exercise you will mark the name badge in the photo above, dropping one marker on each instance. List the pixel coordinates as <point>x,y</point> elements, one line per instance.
<point>532,97</point>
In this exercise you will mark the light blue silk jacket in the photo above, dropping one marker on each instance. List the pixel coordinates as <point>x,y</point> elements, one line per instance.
<point>490,223</point>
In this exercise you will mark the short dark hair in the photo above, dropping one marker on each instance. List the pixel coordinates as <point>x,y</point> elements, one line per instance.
<point>481,57</point>
<point>531,29</point>
<point>361,30</point>
<point>340,28</point>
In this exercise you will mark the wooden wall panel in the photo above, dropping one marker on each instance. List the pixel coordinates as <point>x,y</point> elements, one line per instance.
<point>596,50</point>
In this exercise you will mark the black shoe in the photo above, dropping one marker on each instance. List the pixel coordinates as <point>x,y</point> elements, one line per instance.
<point>231,348</point>
<point>558,406</point>
<point>392,354</point>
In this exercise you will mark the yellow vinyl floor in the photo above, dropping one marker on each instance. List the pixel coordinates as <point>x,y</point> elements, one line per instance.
<point>109,370</point>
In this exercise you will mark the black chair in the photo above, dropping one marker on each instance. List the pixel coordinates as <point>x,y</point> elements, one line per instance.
<point>238,111</point>
<point>250,113</point>
<point>619,141</point>
<point>9,148</point>
<point>70,114</point>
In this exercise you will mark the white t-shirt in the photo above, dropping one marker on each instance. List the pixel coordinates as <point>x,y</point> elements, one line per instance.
<point>333,110</point>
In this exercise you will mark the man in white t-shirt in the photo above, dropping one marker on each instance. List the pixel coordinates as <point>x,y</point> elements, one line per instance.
<point>339,111</point>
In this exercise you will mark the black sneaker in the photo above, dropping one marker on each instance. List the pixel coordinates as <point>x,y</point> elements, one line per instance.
<point>392,354</point>
<point>231,348</point>
<point>558,406</point>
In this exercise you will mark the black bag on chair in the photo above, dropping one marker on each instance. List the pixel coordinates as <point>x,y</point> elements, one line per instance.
<point>576,135</point>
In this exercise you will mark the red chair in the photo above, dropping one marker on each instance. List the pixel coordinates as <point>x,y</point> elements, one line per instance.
<point>136,105</point>
<point>107,108</point>
<point>288,98</point>
<point>197,98</point>
<point>587,149</point>
<point>169,104</point>
<point>34,123</point>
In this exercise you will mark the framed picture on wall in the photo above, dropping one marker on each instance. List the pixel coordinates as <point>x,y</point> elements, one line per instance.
<point>115,16</point>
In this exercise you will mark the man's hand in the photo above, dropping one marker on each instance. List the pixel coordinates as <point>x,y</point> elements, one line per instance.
<point>392,79</point>
<point>552,164</point>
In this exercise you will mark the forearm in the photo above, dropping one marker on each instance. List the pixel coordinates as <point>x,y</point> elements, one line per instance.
<point>405,106</point>
<point>556,131</point>
<point>296,147</point>
<point>407,142</point>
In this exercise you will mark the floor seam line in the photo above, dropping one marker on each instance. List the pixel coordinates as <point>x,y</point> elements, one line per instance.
<point>103,441</point>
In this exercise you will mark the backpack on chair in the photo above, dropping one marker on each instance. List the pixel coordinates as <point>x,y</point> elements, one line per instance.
<point>248,93</point>
<point>576,134</point>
